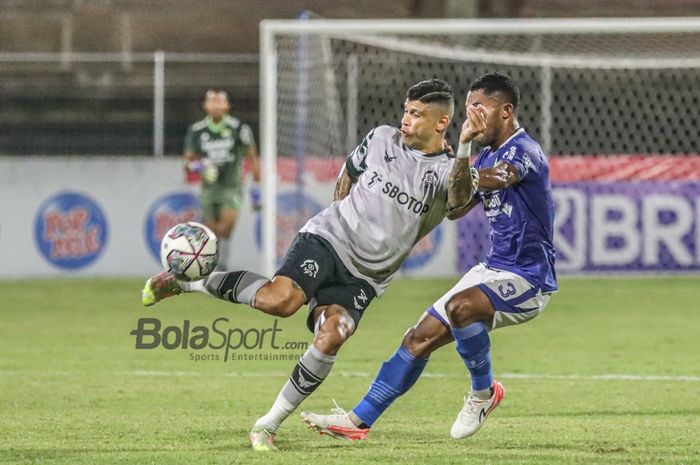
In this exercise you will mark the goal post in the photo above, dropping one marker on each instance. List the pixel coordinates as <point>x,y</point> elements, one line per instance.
<point>590,87</point>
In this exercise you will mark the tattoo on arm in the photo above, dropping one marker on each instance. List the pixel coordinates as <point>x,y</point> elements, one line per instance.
<point>297,287</point>
<point>459,187</point>
<point>343,185</point>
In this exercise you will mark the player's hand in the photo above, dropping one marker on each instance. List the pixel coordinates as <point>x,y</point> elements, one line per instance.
<point>256,197</point>
<point>474,125</point>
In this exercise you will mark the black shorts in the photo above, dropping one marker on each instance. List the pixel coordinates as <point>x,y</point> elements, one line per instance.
<point>312,263</point>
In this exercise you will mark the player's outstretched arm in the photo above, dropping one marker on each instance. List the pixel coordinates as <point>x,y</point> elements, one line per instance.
<point>499,177</point>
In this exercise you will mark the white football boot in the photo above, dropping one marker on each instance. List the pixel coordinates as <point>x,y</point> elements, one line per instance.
<point>474,413</point>
<point>337,425</point>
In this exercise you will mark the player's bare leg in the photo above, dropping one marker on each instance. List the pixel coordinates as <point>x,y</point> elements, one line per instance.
<point>224,226</point>
<point>470,313</point>
<point>333,327</point>
<point>397,376</point>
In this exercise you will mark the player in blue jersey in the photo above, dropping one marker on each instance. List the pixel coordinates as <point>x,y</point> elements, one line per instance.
<point>511,286</point>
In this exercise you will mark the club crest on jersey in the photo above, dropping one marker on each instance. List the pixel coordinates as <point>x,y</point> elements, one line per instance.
<point>310,268</point>
<point>429,181</point>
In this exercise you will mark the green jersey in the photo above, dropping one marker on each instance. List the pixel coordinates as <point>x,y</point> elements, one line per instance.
<point>221,144</point>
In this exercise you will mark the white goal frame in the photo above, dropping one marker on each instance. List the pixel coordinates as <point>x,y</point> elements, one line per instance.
<point>271,29</point>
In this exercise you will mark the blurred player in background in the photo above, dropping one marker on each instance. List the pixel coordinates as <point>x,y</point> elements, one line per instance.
<point>394,188</point>
<point>215,147</point>
<point>511,286</point>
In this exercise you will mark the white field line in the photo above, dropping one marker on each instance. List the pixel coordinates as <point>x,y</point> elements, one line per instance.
<point>366,374</point>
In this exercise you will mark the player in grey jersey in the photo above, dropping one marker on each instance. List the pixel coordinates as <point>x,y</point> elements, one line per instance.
<point>394,188</point>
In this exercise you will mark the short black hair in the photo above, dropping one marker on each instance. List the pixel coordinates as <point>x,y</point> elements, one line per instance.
<point>432,90</point>
<point>216,90</point>
<point>497,82</point>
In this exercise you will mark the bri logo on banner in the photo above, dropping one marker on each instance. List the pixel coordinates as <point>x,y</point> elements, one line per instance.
<point>70,230</point>
<point>166,212</point>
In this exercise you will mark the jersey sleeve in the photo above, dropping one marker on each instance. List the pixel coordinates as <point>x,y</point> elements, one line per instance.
<point>246,136</point>
<point>190,145</point>
<point>517,157</point>
<point>356,162</point>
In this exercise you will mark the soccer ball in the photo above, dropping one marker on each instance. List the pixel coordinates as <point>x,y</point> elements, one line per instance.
<point>190,251</point>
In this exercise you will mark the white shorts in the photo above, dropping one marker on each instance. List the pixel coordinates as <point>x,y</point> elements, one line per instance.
<point>512,296</point>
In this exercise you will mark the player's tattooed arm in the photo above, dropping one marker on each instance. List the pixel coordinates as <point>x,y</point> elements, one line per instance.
<point>460,212</point>
<point>459,186</point>
<point>343,184</point>
<point>499,177</point>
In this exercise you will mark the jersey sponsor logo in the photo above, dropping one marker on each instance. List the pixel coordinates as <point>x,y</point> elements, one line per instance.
<point>70,230</point>
<point>219,151</point>
<point>375,178</point>
<point>166,212</point>
<point>402,198</point>
<point>494,206</point>
<point>310,268</point>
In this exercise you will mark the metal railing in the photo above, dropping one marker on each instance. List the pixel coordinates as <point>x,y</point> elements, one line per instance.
<point>126,61</point>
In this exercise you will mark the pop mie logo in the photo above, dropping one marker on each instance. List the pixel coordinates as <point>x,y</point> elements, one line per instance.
<point>70,230</point>
<point>166,212</point>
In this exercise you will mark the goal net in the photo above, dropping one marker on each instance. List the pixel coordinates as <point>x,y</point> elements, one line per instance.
<point>588,87</point>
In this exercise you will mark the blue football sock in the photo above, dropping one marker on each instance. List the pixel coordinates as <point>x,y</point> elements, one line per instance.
<point>474,346</point>
<point>396,377</point>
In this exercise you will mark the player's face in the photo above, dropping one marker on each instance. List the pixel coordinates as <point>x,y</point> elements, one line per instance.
<point>496,115</point>
<point>216,104</point>
<point>420,124</point>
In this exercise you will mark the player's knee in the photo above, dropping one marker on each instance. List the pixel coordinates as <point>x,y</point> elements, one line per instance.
<point>460,311</point>
<point>335,330</point>
<point>414,344</point>
<point>226,230</point>
<point>286,303</point>
<point>419,345</point>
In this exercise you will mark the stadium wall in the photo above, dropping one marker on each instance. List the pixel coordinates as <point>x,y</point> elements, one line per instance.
<point>104,217</point>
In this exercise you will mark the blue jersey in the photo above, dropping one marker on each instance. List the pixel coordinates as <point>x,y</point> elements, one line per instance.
<point>521,216</point>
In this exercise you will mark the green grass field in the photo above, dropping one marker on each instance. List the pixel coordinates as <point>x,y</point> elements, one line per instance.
<point>74,390</point>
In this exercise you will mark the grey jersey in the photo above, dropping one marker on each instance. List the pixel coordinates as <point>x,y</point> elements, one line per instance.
<point>399,197</point>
